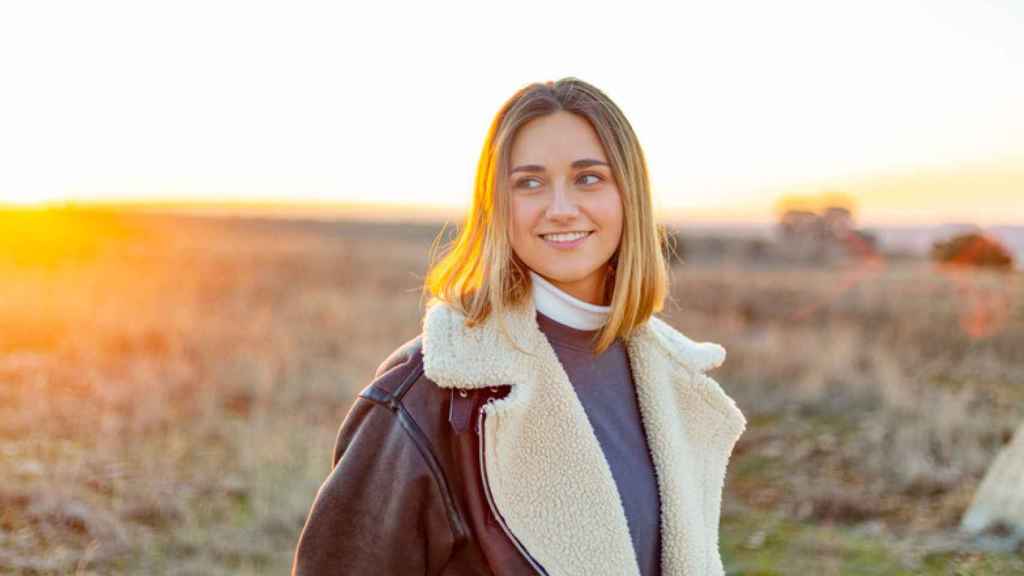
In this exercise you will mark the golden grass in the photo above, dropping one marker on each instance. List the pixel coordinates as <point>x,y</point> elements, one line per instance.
<point>169,397</point>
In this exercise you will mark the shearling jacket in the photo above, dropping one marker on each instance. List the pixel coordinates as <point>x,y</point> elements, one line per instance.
<point>469,455</point>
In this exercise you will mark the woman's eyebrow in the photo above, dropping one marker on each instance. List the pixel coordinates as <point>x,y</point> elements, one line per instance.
<point>582,163</point>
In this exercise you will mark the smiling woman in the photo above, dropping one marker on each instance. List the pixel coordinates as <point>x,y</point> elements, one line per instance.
<point>545,421</point>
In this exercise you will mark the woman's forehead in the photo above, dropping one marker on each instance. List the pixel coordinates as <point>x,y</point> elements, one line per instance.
<point>556,139</point>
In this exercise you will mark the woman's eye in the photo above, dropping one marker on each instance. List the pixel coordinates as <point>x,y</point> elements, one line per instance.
<point>524,183</point>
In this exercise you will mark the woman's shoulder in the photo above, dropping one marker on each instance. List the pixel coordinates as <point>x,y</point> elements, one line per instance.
<point>401,385</point>
<point>410,352</point>
<point>402,376</point>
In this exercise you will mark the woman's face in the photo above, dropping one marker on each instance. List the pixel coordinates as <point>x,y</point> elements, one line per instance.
<point>560,183</point>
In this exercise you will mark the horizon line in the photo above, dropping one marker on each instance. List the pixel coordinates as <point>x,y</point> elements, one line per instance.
<point>392,211</point>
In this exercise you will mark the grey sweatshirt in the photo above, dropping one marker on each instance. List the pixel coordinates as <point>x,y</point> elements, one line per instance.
<point>605,388</point>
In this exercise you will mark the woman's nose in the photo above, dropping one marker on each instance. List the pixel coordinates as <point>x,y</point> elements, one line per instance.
<point>562,206</point>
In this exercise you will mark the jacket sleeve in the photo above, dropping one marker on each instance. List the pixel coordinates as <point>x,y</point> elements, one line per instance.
<point>380,510</point>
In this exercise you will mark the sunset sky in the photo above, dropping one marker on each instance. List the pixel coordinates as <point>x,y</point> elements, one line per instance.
<point>913,108</point>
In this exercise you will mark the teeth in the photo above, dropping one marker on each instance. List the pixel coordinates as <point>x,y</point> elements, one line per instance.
<point>565,237</point>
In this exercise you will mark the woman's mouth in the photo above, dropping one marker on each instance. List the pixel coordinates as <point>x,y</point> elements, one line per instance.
<point>566,240</point>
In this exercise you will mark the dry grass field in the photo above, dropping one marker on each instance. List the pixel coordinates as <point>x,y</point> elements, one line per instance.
<point>170,390</point>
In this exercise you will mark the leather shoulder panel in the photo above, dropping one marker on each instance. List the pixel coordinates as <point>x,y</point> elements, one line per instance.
<point>396,373</point>
<point>401,355</point>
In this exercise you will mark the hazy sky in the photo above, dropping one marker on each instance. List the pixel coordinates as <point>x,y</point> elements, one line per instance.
<point>387,102</point>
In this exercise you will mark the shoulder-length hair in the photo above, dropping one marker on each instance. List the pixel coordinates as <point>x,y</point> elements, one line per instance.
<point>480,273</point>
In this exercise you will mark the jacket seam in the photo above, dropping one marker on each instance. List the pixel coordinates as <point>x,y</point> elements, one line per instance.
<point>423,445</point>
<point>394,404</point>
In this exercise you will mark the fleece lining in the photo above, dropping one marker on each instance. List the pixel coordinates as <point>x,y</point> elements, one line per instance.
<point>546,470</point>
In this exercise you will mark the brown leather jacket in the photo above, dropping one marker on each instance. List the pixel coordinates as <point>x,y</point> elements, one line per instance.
<point>405,494</point>
<point>470,454</point>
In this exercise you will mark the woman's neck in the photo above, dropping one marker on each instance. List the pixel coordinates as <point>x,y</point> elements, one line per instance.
<point>564,308</point>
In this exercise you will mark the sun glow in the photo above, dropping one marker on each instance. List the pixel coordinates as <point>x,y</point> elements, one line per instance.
<point>783,96</point>
<point>26,199</point>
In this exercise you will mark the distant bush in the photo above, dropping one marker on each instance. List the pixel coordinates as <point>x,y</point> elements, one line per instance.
<point>973,249</point>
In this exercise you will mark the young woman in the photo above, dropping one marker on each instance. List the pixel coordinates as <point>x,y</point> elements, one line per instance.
<point>545,421</point>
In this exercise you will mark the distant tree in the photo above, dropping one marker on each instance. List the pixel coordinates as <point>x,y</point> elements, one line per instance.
<point>973,249</point>
<point>801,224</point>
<point>803,236</point>
<point>837,221</point>
<point>821,203</point>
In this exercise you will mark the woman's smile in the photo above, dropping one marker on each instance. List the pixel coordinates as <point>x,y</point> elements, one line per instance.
<point>566,240</point>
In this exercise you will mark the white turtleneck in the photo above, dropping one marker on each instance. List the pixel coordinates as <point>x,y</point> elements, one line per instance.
<point>564,308</point>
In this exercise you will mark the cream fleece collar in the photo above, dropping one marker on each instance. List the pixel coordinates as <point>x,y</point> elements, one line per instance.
<point>545,467</point>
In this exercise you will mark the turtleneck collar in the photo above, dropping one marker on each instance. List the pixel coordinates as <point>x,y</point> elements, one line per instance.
<point>564,308</point>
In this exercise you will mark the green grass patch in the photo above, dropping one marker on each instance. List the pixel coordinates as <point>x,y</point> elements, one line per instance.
<point>766,544</point>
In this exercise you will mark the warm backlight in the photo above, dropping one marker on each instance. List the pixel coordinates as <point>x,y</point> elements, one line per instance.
<point>34,236</point>
<point>25,199</point>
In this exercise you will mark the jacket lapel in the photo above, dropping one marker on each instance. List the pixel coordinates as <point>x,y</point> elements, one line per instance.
<point>545,467</point>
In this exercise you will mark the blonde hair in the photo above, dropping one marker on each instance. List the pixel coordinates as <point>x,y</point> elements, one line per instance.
<point>480,273</point>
